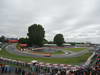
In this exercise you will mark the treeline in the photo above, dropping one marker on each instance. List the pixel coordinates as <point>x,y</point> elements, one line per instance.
<point>36,36</point>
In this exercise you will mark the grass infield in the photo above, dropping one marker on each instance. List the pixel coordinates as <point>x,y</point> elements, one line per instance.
<point>75,49</point>
<point>74,60</point>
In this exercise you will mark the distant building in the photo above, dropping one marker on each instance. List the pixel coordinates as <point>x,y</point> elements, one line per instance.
<point>54,45</point>
<point>82,45</point>
<point>66,44</point>
<point>12,41</point>
<point>11,38</point>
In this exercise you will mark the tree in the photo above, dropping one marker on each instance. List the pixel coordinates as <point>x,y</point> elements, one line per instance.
<point>72,43</point>
<point>23,40</point>
<point>50,42</point>
<point>58,39</point>
<point>45,41</point>
<point>36,34</point>
<point>2,39</point>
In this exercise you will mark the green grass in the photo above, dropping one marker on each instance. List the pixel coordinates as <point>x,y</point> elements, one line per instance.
<point>75,49</point>
<point>4,53</point>
<point>74,60</point>
<point>58,52</point>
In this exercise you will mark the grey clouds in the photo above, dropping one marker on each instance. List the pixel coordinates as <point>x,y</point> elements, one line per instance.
<point>77,20</point>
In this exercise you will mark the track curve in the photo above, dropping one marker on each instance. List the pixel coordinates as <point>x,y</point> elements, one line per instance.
<point>12,49</point>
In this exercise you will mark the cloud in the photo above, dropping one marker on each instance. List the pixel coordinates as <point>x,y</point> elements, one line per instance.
<point>77,20</point>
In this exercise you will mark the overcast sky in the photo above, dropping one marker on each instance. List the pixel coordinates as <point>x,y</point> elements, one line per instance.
<point>77,20</point>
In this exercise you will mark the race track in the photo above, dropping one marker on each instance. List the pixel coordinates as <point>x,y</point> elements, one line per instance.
<point>12,49</point>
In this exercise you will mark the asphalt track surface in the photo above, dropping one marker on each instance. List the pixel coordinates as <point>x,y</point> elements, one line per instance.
<point>12,49</point>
